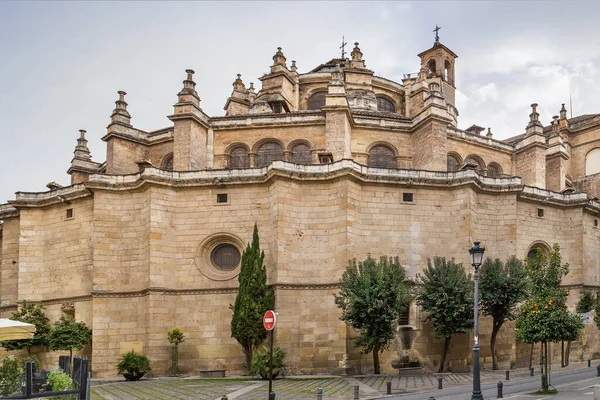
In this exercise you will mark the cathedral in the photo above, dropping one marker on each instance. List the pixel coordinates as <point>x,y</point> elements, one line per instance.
<point>332,164</point>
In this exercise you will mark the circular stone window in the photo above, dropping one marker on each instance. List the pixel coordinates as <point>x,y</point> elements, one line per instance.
<point>225,257</point>
<point>218,256</point>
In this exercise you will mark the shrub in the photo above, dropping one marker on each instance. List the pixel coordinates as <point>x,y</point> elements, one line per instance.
<point>586,302</point>
<point>60,381</point>
<point>260,362</point>
<point>175,336</point>
<point>33,360</point>
<point>10,377</point>
<point>133,363</point>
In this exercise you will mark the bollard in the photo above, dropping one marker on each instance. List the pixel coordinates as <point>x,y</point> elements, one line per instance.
<point>272,396</point>
<point>507,375</point>
<point>389,386</point>
<point>356,388</point>
<point>440,379</point>
<point>224,398</point>
<point>589,363</point>
<point>319,394</point>
<point>598,370</point>
<point>500,390</point>
<point>531,371</point>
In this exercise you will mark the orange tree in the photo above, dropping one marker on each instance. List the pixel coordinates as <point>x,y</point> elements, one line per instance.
<point>544,317</point>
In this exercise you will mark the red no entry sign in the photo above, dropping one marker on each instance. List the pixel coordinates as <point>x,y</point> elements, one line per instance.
<point>269,320</point>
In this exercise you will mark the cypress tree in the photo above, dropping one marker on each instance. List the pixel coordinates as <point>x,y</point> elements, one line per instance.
<point>253,299</point>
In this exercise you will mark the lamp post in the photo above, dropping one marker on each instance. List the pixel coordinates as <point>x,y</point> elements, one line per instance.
<point>476,253</point>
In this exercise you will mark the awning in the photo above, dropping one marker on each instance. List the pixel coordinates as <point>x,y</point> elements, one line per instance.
<point>11,330</point>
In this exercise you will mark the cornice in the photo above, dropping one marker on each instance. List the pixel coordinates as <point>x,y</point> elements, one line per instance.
<point>478,140</point>
<point>42,199</point>
<point>8,211</point>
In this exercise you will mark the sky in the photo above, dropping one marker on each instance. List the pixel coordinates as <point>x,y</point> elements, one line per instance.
<point>62,63</point>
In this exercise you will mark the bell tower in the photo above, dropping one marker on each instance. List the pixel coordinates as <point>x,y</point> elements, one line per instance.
<point>437,65</point>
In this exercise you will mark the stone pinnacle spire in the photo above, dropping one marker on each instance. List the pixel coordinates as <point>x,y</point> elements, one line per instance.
<point>120,113</point>
<point>81,150</point>
<point>188,94</point>
<point>534,125</point>
<point>238,84</point>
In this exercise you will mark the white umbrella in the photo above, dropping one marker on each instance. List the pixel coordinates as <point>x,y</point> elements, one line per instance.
<point>11,330</point>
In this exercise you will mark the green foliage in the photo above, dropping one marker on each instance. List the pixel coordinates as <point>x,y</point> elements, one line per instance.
<point>260,362</point>
<point>133,363</point>
<point>67,334</point>
<point>33,360</point>
<point>33,314</point>
<point>586,302</point>
<point>446,293</point>
<point>60,381</point>
<point>175,336</point>
<point>10,377</point>
<point>545,317</point>
<point>253,299</point>
<point>597,309</point>
<point>371,297</point>
<point>502,287</point>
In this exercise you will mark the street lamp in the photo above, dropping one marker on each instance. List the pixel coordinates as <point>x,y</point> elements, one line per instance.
<point>476,253</point>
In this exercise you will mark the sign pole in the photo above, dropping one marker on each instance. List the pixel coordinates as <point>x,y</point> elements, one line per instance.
<point>269,321</point>
<point>271,365</point>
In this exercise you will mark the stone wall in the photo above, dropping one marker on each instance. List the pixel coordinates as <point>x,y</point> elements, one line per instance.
<point>10,261</point>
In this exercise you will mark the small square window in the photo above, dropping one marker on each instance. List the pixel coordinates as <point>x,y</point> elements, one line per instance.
<point>407,197</point>
<point>326,158</point>
<point>69,213</point>
<point>222,198</point>
<point>540,212</point>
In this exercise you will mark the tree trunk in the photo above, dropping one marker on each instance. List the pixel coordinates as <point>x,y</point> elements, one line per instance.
<point>567,353</point>
<point>446,347</point>
<point>562,353</point>
<point>495,330</point>
<point>248,354</point>
<point>376,360</point>
<point>531,357</point>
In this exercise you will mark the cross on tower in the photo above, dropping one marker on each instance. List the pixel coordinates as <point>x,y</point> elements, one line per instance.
<point>436,30</point>
<point>343,46</point>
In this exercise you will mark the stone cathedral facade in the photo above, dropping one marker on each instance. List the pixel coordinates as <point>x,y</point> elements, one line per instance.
<point>332,164</point>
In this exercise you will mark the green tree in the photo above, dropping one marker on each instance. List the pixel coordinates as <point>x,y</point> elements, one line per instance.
<point>253,299</point>
<point>446,293</point>
<point>175,337</point>
<point>68,334</point>
<point>30,313</point>
<point>502,287</point>
<point>371,297</point>
<point>586,302</point>
<point>544,317</point>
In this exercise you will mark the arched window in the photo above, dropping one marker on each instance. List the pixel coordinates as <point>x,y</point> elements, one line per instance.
<point>381,156</point>
<point>494,170</point>
<point>301,154</point>
<point>386,105</point>
<point>267,153</point>
<point>533,250</point>
<point>238,158</point>
<point>316,101</point>
<point>448,71</point>
<point>452,163</point>
<point>431,66</point>
<point>167,162</point>
<point>479,165</point>
<point>592,162</point>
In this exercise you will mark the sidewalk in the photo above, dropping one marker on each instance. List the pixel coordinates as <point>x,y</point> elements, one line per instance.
<point>302,387</point>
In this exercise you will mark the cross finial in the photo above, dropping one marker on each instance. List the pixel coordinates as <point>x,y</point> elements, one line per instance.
<point>436,30</point>
<point>343,47</point>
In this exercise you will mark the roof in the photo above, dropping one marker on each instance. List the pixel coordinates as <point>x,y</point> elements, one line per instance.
<point>329,66</point>
<point>573,123</point>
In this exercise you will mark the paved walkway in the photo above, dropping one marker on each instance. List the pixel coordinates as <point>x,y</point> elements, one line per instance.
<point>296,388</point>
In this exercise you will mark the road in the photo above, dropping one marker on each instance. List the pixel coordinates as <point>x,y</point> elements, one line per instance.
<point>572,385</point>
